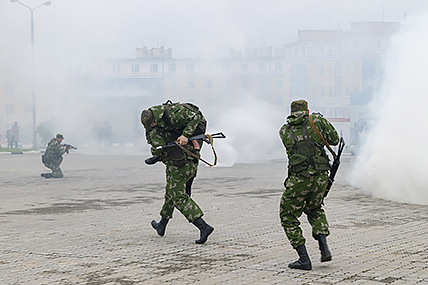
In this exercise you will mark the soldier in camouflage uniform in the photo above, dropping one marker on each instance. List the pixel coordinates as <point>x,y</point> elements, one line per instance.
<point>162,126</point>
<point>52,158</point>
<point>308,167</point>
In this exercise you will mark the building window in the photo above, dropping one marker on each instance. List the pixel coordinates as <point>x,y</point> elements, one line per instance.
<point>338,112</point>
<point>262,84</point>
<point>172,85</point>
<point>262,66</point>
<point>116,68</point>
<point>135,68</point>
<point>190,67</point>
<point>330,70</point>
<point>347,112</point>
<point>347,91</point>
<point>226,66</point>
<point>153,68</point>
<point>338,92</point>
<point>278,66</point>
<point>244,84</point>
<point>330,91</point>
<point>172,67</point>
<point>190,85</point>
<point>278,83</point>
<point>357,88</point>
<point>303,51</point>
<point>208,85</point>
<point>321,70</point>
<point>244,67</point>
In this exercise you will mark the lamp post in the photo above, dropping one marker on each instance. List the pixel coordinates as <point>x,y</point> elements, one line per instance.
<point>33,88</point>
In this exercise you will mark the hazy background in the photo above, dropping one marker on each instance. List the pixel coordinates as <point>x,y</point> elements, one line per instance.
<point>69,34</point>
<point>392,159</point>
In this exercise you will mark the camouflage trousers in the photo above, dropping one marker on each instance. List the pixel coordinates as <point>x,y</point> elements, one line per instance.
<point>175,192</point>
<point>303,195</point>
<point>54,166</point>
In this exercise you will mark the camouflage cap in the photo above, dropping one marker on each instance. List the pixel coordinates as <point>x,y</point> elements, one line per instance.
<point>147,118</point>
<point>59,136</point>
<point>299,105</point>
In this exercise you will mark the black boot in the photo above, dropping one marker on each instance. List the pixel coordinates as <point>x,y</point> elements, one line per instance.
<point>304,261</point>
<point>160,227</point>
<point>325,252</point>
<point>46,175</point>
<point>205,229</point>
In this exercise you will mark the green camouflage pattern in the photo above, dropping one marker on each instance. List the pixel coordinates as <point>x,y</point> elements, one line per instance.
<point>304,193</point>
<point>52,158</point>
<point>175,194</point>
<point>183,122</point>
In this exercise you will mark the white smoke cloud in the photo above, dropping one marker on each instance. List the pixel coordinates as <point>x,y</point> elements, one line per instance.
<point>392,161</point>
<point>251,131</point>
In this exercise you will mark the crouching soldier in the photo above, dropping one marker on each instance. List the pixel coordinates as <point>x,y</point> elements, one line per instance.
<point>52,158</point>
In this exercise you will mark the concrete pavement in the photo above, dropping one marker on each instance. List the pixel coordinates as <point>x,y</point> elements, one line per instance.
<point>93,227</point>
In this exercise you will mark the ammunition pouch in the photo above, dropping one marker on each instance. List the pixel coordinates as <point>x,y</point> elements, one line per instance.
<point>178,156</point>
<point>299,162</point>
<point>321,163</point>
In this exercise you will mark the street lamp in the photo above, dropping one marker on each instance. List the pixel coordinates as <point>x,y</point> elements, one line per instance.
<point>32,66</point>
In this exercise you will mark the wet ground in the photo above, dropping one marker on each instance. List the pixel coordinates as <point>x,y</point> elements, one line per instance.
<point>93,227</point>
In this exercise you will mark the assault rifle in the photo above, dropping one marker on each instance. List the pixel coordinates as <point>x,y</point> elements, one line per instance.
<point>334,166</point>
<point>68,147</point>
<point>206,138</point>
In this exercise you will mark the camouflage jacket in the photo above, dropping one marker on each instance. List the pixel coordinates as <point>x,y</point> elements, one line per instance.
<point>54,151</point>
<point>319,161</point>
<point>183,122</point>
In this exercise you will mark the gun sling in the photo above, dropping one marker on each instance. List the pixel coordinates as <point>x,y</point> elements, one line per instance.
<point>211,142</point>
<point>311,121</point>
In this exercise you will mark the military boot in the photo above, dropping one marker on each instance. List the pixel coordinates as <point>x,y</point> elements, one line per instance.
<point>46,175</point>
<point>205,229</point>
<point>161,226</point>
<point>304,262</point>
<point>325,252</point>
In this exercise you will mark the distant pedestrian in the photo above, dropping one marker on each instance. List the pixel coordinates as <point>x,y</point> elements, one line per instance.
<point>15,134</point>
<point>9,138</point>
<point>306,182</point>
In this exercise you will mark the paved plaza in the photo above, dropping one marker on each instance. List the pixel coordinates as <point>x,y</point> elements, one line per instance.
<point>93,227</point>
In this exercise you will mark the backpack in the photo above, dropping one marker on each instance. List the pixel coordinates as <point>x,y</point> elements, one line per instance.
<point>202,125</point>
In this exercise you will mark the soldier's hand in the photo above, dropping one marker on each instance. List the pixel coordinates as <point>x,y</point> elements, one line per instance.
<point>182,140</point>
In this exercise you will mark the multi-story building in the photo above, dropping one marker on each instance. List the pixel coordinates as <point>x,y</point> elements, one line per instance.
<point>336,71</point>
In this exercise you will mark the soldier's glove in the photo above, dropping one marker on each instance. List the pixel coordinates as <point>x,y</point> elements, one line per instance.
<point>152,160</point>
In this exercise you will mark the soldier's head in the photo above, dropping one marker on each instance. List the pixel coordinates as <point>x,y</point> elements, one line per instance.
<point>59,137</point>
<point>299,105</point>
<point>147,119</point>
